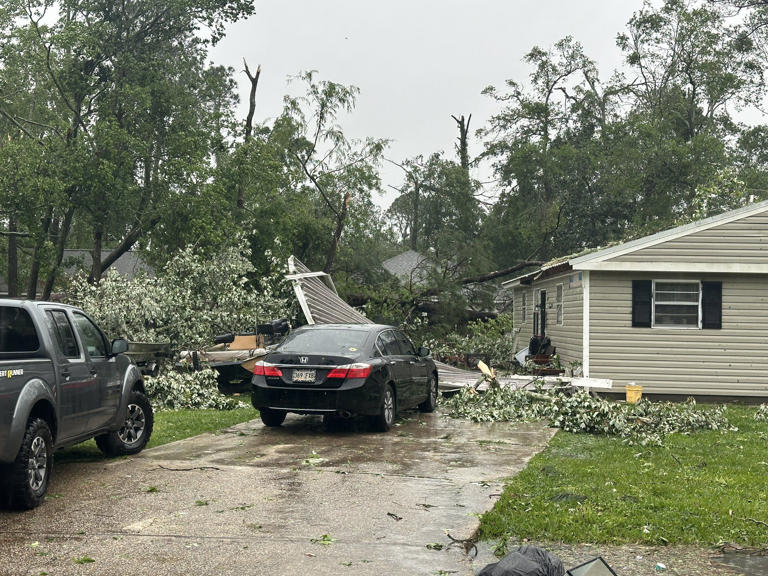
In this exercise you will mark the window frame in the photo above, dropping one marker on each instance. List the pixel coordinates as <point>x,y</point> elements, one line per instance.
<point>84,344</point>
<point>698,325</point>
<point>522,308</point>
<point>559,308</point>
<point>49,313</point>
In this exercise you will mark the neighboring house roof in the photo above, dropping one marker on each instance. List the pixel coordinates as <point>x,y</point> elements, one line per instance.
<point>604,259</point>
<point>409,267</point>
<point>129,264</point>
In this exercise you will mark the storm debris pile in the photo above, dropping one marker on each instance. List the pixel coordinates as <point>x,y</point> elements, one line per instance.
<point>643,423</point>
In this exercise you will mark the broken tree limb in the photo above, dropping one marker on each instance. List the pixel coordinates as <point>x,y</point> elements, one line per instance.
<point>499,273</point>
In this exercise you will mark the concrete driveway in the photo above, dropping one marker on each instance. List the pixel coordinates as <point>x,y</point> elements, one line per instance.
<point>289,500</point>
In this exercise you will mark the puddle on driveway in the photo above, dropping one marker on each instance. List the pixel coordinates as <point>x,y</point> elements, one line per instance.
<point>745,563</point>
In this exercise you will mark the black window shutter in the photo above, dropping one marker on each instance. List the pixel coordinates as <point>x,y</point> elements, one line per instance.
<point>642,293</point>
<point>712,305</point>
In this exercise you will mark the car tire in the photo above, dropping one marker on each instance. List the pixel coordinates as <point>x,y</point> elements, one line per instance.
<point>134,432</point>
<point>431,402</point>
<point>31,471</point>
<point>384,420</point>
<point>271,417</point>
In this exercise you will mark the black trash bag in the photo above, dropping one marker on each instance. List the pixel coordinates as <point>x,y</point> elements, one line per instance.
<point>525,561</point>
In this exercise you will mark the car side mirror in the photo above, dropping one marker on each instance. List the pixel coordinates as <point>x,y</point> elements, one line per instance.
<point>423,352</point>
<point>119,346</point>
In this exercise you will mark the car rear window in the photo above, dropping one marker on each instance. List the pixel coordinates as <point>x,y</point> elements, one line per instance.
<point>17,331</point>
<point>326,341</point>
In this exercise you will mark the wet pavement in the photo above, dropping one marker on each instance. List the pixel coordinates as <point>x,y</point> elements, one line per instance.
<point>290,500</point>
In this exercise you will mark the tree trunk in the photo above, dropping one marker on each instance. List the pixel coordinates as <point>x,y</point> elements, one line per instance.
<point>340,221</point>
<point>248,128</point>
<point>34,272</point>
<point>463,147</point>
<point>13,259</point>
<point>61,241</point>
<point>95,274</point>
<point>415,221</point>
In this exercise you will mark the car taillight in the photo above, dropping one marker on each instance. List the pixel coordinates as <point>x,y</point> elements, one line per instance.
<point>351,371</point>
<point>266,369</point>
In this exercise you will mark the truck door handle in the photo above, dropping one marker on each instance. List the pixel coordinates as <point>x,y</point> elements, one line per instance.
<point>392,362</point>
<point>411,362</point>
<point>94,372</point>
<point>65,374</point>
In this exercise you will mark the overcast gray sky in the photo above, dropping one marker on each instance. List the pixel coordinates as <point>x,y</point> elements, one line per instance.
<point>416,62</point>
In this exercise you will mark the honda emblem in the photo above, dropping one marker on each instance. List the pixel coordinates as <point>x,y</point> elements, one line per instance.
<point>303,359</point>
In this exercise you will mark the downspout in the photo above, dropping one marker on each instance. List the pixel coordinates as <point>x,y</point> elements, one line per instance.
<point>585,325</point>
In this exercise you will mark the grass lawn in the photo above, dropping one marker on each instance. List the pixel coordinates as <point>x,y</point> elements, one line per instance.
<point>705,488</point>
<point>169,426</point>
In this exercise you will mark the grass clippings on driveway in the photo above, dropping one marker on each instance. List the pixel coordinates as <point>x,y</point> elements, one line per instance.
<point>706,488</point>
<point>169,427</point>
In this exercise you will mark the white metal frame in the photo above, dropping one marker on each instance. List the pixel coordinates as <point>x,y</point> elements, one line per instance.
<point>675,326</point>
<point>559,305</point>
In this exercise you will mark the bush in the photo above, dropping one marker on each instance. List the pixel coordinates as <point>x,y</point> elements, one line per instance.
<point>493,338</point>
<point>643,423</point>
<point>176,390</point>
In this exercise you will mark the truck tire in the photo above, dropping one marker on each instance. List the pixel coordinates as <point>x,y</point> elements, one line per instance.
<point>135,431</point>
<point>31,471</point>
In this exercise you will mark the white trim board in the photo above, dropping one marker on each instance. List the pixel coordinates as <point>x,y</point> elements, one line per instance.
<point>585,283</point>
<point>692,267</point>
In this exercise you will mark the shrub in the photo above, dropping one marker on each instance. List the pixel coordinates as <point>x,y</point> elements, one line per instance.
<point>493,338</point>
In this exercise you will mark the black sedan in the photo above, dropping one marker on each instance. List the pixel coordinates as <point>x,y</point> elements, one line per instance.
<point>341,370</point>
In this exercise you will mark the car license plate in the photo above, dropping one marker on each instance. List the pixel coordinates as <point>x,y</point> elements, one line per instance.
<point>303,375</point>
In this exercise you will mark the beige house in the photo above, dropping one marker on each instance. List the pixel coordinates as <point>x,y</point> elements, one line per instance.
<point>684,311</point>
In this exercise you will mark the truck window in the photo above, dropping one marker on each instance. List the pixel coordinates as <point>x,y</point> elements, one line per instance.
<point>91,336</point>
<point>65,337</point>
<point>17,331</point>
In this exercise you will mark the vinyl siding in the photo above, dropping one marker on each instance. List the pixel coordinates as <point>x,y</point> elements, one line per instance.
<point>567,337</point>
<point>730,361</point>
<point>743,241</point>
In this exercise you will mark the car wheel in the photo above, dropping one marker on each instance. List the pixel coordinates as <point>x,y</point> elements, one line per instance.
<point>386,417</point>
<point>31,470</point>
<point>271,417</point>
<point>135,431</point>
<point>431,402</point>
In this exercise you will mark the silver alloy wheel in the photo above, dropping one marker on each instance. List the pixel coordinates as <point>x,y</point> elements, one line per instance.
<point>37,464</point>
<point>389,405</point>
<point>133,427</point>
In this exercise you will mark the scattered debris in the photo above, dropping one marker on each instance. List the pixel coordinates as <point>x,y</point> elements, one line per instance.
<point>643,423</point>
<point>394,516</point>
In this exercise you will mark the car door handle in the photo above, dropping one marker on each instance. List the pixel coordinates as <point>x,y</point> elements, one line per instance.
<point>392,362</point>
<point>94,372</point>
<point>411,362</point>
<point>65,375</point>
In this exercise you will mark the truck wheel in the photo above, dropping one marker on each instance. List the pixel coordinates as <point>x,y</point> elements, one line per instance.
<point>135,431</point>
<point>31,470</point>
<point>271,417</point>
<point>431,402</point>
<point>386,417</point>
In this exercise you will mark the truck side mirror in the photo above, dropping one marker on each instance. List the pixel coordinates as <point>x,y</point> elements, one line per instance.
<point>423,352</point>
<point>119,346</point>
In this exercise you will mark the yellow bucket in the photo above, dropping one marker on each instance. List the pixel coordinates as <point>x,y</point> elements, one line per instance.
<point>634,393</point>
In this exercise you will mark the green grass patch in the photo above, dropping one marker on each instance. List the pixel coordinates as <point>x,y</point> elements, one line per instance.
<point>706,487</point>
<point>169,427</point>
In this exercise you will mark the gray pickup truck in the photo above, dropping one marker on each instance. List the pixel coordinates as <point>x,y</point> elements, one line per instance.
<point>61,382</point>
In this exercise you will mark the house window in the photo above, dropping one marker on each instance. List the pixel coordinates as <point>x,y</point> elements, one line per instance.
<point>677,304</point>
<point>559,304</point>
<point>523,306</point>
